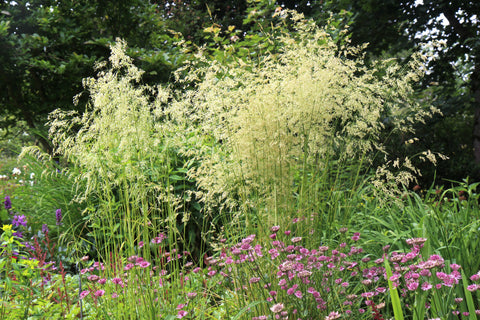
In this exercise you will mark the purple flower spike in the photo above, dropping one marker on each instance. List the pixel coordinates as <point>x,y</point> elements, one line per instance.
<point>19,221</point>
<point>58,216</point>
<point>44,228</point>
<point>8,203</point>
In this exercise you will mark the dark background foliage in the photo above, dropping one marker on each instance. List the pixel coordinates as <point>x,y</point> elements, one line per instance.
<point>48,47</point>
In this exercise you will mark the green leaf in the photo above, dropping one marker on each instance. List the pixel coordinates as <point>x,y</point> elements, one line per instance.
<point>246,308</point>
<point>468,297</point>
<point>397,306</point>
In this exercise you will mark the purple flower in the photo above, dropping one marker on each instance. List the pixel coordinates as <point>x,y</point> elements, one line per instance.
<point>19,220</point>
<point>58,216</point>
<point>8,203</point>
<point>44,228</point>
<point>18,234</point>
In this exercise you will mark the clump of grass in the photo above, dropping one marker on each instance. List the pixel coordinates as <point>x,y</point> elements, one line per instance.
<point>129,170</point>
<point>302,126</point>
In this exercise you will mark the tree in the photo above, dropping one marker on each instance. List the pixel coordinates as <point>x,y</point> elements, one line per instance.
<point>394,28</point>
<point>48,47</point>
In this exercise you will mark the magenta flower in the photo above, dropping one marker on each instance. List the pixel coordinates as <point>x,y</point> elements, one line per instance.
<point>473,287</point>
<point>475,277</point>
<point>426,286</point>
<point>83,294</point>
<point>144,264</point>
<point>181,314</point>
<point>412,286</point>
<point>99,293</point>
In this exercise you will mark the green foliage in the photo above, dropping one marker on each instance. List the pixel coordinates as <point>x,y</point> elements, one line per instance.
<point>53,186</point>
<point>49,47</point>
<point>448,30</point>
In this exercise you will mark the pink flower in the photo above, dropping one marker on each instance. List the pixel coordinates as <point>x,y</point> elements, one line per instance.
<point>296,239</point>
<point>475,277</point>
<point>181,314</point>
<point>93,277</point>
<point>99,293</point>
<point>254,279</point>
<point>275,228</point>
<point>333,315</point>
<point>298,294</point>
<point>368,294</point>
<point>412,286</point>
<point>159,239</point>
<point>291,290</point>
<point>426,286</point>
<point>455,267</point>
<point>472,287</point>
<point>276,308</point>
<point>144,264</point>
<point>83,294</point>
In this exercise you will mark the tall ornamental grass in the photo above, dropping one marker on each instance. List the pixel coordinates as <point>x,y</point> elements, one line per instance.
<point>130,173</point>
<point>299,130</point>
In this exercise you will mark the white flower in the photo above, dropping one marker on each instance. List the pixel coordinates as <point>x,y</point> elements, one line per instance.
<point>16,171</point>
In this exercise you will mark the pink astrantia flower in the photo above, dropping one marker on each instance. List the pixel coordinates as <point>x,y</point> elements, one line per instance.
<point>276,308</point>
<point>475,277</point>
<point>144,264</point>
<point>99,293</point>
<point>296,239</point>
<point>426,286</point>
<point>181,314</point>
<point>333,315</point>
